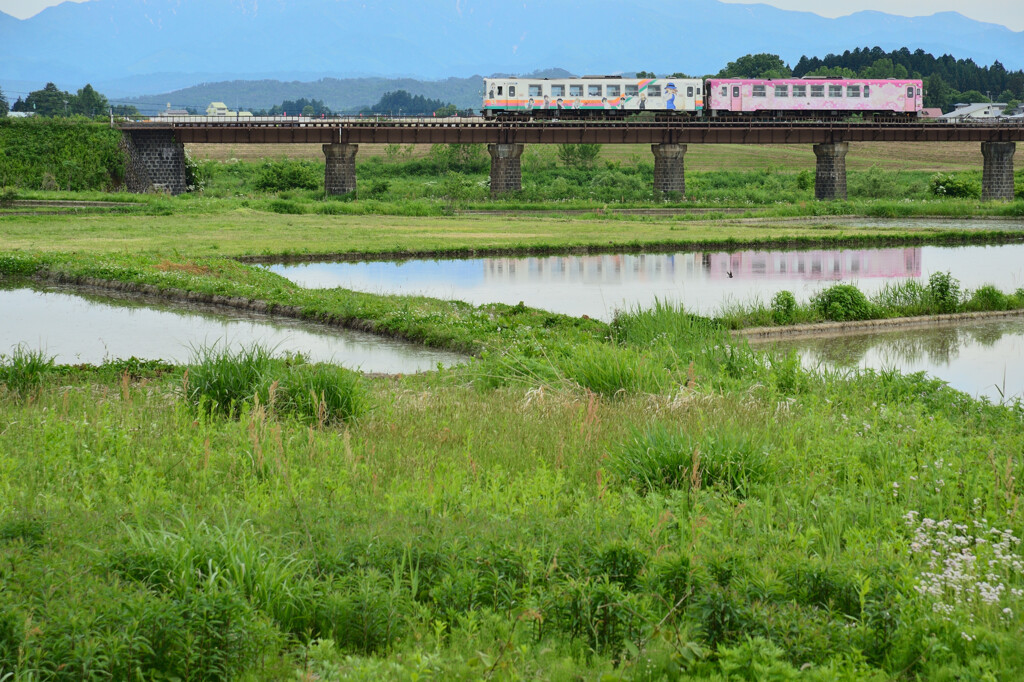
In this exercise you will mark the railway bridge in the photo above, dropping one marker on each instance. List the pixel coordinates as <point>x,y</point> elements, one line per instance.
<point>155,149</point>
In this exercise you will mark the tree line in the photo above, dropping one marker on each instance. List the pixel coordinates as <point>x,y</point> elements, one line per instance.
<point>52,101</point>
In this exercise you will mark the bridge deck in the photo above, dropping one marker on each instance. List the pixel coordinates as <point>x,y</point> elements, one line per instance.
<point>464,131</point>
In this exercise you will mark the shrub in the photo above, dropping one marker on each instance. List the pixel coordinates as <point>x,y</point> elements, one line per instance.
<point>944,292</point>
<point>276,176</point>
<point>8,195</point>
<point>578,155</point>
<point>987,297</point>
<point>843,302</point>
<point>950,185</point>
<point>376,189</point>
<point>321,394</point>
<point>783,307</point>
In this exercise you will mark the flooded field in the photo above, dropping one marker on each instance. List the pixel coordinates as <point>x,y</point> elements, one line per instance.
<point>91,328</point>
<point>979,358</point>
<point>599,285</point>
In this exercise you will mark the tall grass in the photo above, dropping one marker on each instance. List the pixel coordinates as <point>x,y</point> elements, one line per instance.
<point>220,380</point>
<point>24,369</point>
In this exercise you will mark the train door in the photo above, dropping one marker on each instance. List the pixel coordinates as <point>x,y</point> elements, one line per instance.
<point>911,103</point>
<point>736,100</point>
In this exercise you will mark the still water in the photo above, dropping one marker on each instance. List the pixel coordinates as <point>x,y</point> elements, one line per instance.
<point>979,358</point>
<point>93,328</point>
<point>702,281</point>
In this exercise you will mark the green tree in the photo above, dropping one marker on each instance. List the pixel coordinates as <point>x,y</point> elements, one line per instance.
<point>1005,96</point>
<point>307,110</point>
<point>645,74</point>
<point>761,65</point>
<point>50,101</point>
<point>830,72</point>
<point>88,102</point>
<point>4,108</point>
<point>578,155</point>
<point>972,97</point>
<point>937,93</point>
<point>447,110</point>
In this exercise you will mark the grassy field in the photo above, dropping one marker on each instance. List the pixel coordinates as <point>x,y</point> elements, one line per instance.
<point>647,499</point>
<point>248,232</point>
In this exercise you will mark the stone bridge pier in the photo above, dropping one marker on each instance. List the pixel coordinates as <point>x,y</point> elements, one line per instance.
<point>830,171</point>
<point>340,170</point>
<point>154,161</point>
<point>506,171</point>
<point>997,173</point>
<point>669,169</point>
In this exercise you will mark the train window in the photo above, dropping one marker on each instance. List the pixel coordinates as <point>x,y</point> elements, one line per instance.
<point>758,91</point>
<point>499,89</point>
<point>725,91</point>
<point>817,91</point>
<point>782,91</point>
<point>835,91</point>
<point>654,91</point>
<point>576,90</point>
<point>613,91</point>
<point>689,91</point>
<point>919,92</point>
<point>511,91</point>
<point>867,91</point>
<point>558,91</point>
<point>853,91</point>
<point>910,91</point>
<point>735,91</point>
<point>632,90</point>
<point>799,91</point>
<point>593,90</point>
<point>536,90</point>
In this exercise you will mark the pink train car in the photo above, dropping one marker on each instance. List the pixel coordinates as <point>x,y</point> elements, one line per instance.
<point>813,97</point>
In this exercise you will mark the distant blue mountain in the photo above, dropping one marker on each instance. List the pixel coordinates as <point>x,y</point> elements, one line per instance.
<point>131,47</point>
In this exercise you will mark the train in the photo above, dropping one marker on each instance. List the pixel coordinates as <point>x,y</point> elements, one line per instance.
<point>785,98</point>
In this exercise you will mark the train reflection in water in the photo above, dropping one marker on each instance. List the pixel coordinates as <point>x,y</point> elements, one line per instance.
<point>741,265</point>
<point>703,282</point>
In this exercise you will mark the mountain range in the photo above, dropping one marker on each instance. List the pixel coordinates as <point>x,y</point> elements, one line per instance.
<point>140,47</point>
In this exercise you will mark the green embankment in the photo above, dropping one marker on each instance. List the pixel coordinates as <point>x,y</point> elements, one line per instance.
<point>59,154</point>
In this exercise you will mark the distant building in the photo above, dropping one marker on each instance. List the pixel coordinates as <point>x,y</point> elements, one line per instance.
<point>221,109</point>
<point>931,113</point>
<point>20,114</point>
<point>173,112</point>
<point>982,110</point>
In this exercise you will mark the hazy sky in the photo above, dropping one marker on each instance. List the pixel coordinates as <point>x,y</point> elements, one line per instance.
<point>1009,13</point>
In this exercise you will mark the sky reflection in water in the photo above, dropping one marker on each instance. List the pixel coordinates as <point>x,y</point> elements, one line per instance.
<point>90,329</point>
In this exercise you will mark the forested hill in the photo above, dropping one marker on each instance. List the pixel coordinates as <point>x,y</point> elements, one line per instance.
<point>944,74</point>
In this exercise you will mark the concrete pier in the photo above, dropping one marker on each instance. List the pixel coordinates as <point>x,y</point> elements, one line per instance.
<point>506,173</point>
<point>154,161</point>
<point>830,173</point>
<point>669,169</point>
<point>340,170</point>
<point>997,175</point>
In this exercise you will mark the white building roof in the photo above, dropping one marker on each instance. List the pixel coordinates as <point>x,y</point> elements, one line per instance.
<point>975,110</point>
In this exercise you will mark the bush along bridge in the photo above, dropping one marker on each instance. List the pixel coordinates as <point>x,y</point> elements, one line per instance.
<point>156,156</point>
